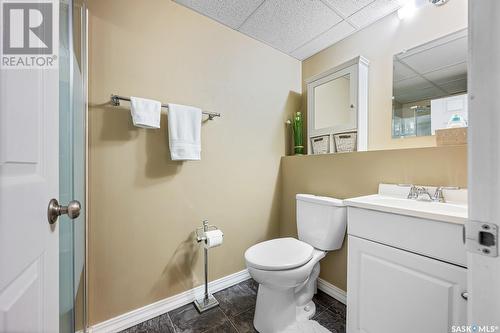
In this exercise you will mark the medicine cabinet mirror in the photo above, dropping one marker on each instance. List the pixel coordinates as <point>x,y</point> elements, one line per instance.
<point>430,87</point>
<point>337,108</point>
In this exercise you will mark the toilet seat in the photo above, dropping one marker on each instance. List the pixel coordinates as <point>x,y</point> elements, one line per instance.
<point>279,254</point>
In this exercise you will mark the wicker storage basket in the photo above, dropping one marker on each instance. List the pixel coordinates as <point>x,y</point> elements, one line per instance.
<point>320,144</point>
<point>345,142</point>
<point>451,136</point>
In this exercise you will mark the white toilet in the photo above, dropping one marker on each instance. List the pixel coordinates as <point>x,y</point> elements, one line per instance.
<point>287,268</point>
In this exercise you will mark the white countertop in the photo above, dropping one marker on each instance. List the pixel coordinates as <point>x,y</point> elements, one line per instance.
<point>392,199</point>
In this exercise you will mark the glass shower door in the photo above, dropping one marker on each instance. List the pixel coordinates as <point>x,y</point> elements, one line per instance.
<point>72,164</point>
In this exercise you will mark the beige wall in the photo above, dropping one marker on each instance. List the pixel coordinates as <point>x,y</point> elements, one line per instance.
<point>355,174</point>
<point>378,43</point>
<point>144,207</point>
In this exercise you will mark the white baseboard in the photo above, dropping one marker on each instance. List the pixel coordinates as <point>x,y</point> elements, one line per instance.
<point>147,312</point>
<point>332,291</point>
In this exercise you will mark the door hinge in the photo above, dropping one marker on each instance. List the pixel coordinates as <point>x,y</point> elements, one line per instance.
<point>481,238</point>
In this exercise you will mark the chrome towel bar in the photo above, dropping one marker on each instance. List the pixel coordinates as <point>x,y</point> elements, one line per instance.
<point>115,101</point>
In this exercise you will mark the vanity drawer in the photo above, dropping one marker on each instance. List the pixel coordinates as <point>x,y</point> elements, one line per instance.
<point>434,239</point>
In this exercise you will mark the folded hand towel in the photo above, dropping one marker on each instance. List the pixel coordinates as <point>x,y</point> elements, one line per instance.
<point>184,132</point>
<point>145,112</point>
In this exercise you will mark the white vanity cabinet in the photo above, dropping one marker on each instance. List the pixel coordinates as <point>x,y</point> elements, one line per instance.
<point>405,274</point>
<point>394,291</point>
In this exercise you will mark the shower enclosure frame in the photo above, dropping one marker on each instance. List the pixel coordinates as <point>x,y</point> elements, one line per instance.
<point>73,158</point>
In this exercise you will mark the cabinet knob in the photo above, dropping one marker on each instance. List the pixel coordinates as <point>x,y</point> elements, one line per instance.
<point>465,295</point>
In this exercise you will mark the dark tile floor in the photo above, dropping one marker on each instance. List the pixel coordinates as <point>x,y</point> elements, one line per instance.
<point>235,314</point>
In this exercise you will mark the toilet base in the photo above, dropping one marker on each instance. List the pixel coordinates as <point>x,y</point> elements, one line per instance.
<point>277,309</point>
<point>306,312</point>
<point>306,326</point>
<point>282,300</point>
<point>282,318</point>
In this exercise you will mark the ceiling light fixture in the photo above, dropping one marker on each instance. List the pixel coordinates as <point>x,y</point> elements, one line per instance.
<point>408,10</point>
<point>409,7</point>
<point>438,2</point>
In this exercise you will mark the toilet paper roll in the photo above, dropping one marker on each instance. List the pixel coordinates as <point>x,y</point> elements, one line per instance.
<point>214,238</point>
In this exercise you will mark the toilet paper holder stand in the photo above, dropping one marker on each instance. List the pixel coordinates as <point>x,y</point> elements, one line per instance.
<point>208,301</point>
<point>200,232</point>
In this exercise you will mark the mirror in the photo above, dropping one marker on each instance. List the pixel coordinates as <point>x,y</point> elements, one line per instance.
<point>430,87</point>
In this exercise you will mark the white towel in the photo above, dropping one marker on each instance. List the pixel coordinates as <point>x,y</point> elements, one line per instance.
<point>184,132</point>
<point>145,112</point>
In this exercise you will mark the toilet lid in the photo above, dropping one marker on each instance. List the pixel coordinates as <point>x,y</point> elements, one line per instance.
<point>279,254</point>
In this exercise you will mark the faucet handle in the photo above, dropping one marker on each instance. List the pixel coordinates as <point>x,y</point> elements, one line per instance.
<point>438,194</point>
<point>413,194</point>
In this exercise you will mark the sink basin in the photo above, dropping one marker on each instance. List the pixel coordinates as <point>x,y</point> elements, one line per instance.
<point>392,199</point>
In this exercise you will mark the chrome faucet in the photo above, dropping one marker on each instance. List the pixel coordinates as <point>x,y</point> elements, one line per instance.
<point>423,194</point>
<point>420,193</point>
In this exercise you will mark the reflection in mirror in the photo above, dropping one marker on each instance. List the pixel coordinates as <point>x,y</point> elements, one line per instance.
<point>430,87</point>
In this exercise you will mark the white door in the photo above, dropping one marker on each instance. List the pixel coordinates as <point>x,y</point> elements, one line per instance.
<point>411,293</point>
<point>484,164</point>
<point>29,178</point>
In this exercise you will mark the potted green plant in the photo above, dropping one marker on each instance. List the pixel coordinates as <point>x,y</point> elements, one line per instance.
<point>297,125</point>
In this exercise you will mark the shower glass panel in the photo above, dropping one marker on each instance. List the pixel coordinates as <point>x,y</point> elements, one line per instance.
<point>411,120</point>
<point>72,147</point>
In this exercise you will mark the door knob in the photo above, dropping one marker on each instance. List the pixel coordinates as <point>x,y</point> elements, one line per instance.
<point>54,210</point>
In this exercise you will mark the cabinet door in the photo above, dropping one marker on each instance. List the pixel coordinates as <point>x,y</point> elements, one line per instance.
<point>394,291</point>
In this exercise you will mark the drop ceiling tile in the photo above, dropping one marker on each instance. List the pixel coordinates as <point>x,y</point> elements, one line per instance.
<point>330,37</point>
<point>401,72</point>
<point>418,95</point>
<point>447,74</point>
<point>373,12</point>
<point>412,84</point>
<point>456,86</point>
<point>229,12</point>
<point>288,24</point>
<point>348,7</point>
<point>444,55</point>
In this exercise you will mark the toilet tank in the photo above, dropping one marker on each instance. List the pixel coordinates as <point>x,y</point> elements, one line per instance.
<point>321,221</point>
